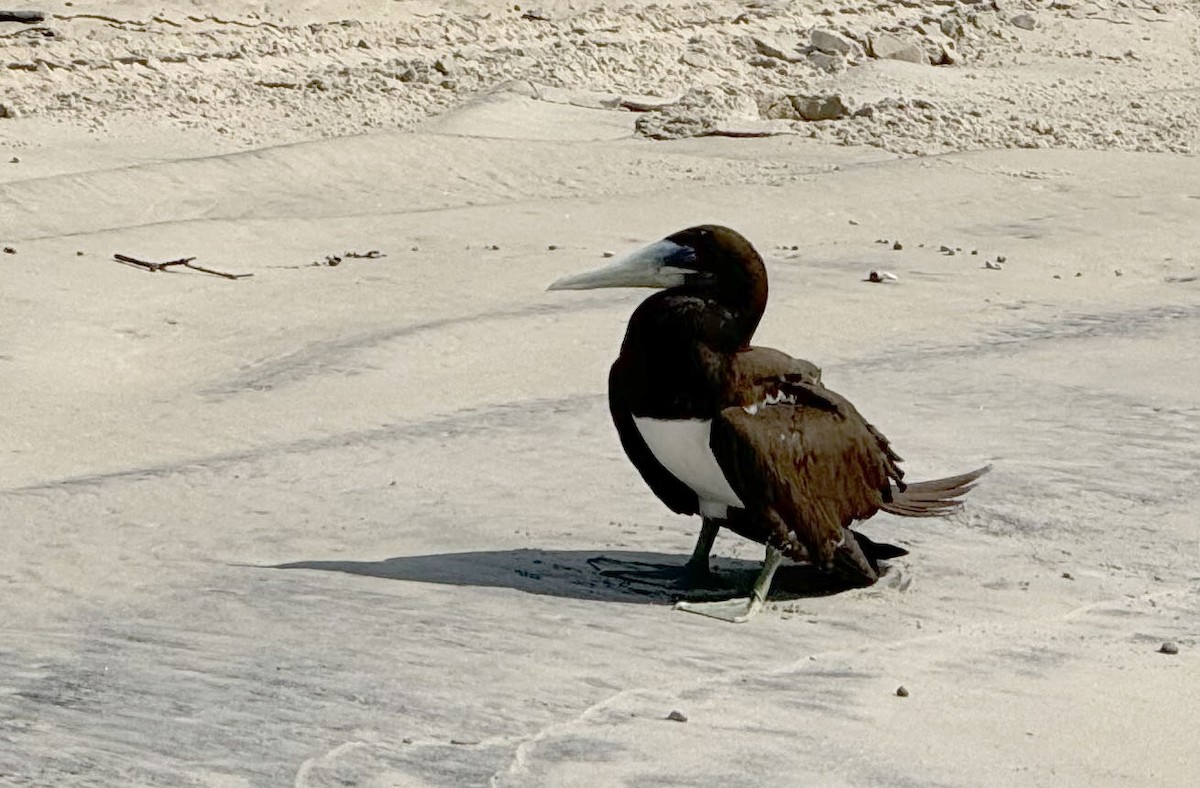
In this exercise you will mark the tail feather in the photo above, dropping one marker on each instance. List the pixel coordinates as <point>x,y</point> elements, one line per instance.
<point>934,498</point>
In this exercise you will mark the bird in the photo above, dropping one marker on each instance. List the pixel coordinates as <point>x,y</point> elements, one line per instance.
<point>748,438</point>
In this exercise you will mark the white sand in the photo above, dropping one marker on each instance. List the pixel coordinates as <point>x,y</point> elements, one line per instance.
<point>425,434</point>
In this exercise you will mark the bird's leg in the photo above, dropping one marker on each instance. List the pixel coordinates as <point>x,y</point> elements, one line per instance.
<point>740,610</point>
<point>698,572</point>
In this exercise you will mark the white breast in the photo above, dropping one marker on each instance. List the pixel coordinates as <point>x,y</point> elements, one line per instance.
<point>681,446</point>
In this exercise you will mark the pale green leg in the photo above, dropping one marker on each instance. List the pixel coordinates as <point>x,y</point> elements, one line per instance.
<point>740,610</point>
<point>698,570</point>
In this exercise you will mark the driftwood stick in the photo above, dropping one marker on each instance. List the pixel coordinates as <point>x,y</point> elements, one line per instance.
<point>28,17</point>
<point>186,262</point>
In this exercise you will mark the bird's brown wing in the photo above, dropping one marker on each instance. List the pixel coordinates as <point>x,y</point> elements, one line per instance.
<point>808,465</point>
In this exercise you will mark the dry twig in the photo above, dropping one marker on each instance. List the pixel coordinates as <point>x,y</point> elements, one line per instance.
<point>185,262</point>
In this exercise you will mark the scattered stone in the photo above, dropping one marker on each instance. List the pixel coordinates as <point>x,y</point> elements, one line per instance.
<point>552,247</point>
<point>949,55</point>
<point>1056,276</point>
<point>831,42</point>
<point>897,246</point>
<point>902,691</point>
<point>606,254</point>
<point>946,249</point>
<point>887,46</point>
<point>854,222</point>
<point>494,247</point>
<point>15,160</point>
<point>536,15</point>
<point>988,264</point>
<point>7,111</point>
<point>9,250</point>
<point>1118,272</point>
<point>416,248</point>
<point>808,107</point>
<point>778,47</point>
<point>879,277</point>
<point>1168,647</point>
<point>646,103</point>
<point>465,742</point>
<point>825,61</point>
<point>79,254</point>
<point>1001,258</point>
<point>1068,576</point>
<point>1024,21</point>
<point>974,251</point>
<point>677,716</point>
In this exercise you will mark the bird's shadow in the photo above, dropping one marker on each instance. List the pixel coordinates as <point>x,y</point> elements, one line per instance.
<point>582,574</point>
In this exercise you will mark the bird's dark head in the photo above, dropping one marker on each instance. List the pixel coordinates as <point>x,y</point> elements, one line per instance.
<point>707,258</point>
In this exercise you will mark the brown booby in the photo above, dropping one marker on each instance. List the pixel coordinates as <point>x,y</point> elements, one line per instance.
<point>747,437</point>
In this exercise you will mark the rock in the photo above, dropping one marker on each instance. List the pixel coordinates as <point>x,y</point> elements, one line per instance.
<point>7,111</point>
<point>802,107</point>
<point>831,42</point>
<point>949,55</point>
<point>825,61</point>
<point>646,103</point>
<point>778,47</point>
<point>820,107</point>
<point>1168,648</point>
<point>897,246</point>
<point>880,277</point>
<point>677,716</point>
<point>891,47</point>
<point>1024,21</point>
<point>902,691</point>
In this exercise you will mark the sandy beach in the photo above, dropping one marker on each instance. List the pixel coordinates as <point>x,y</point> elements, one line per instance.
<point>331,511</point>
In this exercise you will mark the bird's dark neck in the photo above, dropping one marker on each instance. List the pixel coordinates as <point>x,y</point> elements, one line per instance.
<point>680,344</point>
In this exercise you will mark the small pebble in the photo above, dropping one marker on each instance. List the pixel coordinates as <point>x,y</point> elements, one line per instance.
<point>882,276</point>
<point>15,160</point>
<point>9,250</point>
<point>606,254</point>
<point>494,248</point>
<point>1056,276</point>
<point>897,246</point>
<point>1118,272</point>
<point>1078,274</point>
<point>902,691</point>
<point>1068,576</point>
<point>416,248</point>
<point>677,716</point>
<point>974,251</point>
<point>465,742</point>
<point>1001,258</point>
<point>992,266</point>
<point>79,254</point>
<point>854,222</point>
<point>1168,648</point>
<point>552,247</point>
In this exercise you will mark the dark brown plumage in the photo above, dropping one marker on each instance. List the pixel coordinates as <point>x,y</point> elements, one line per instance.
<point>801,464</point>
